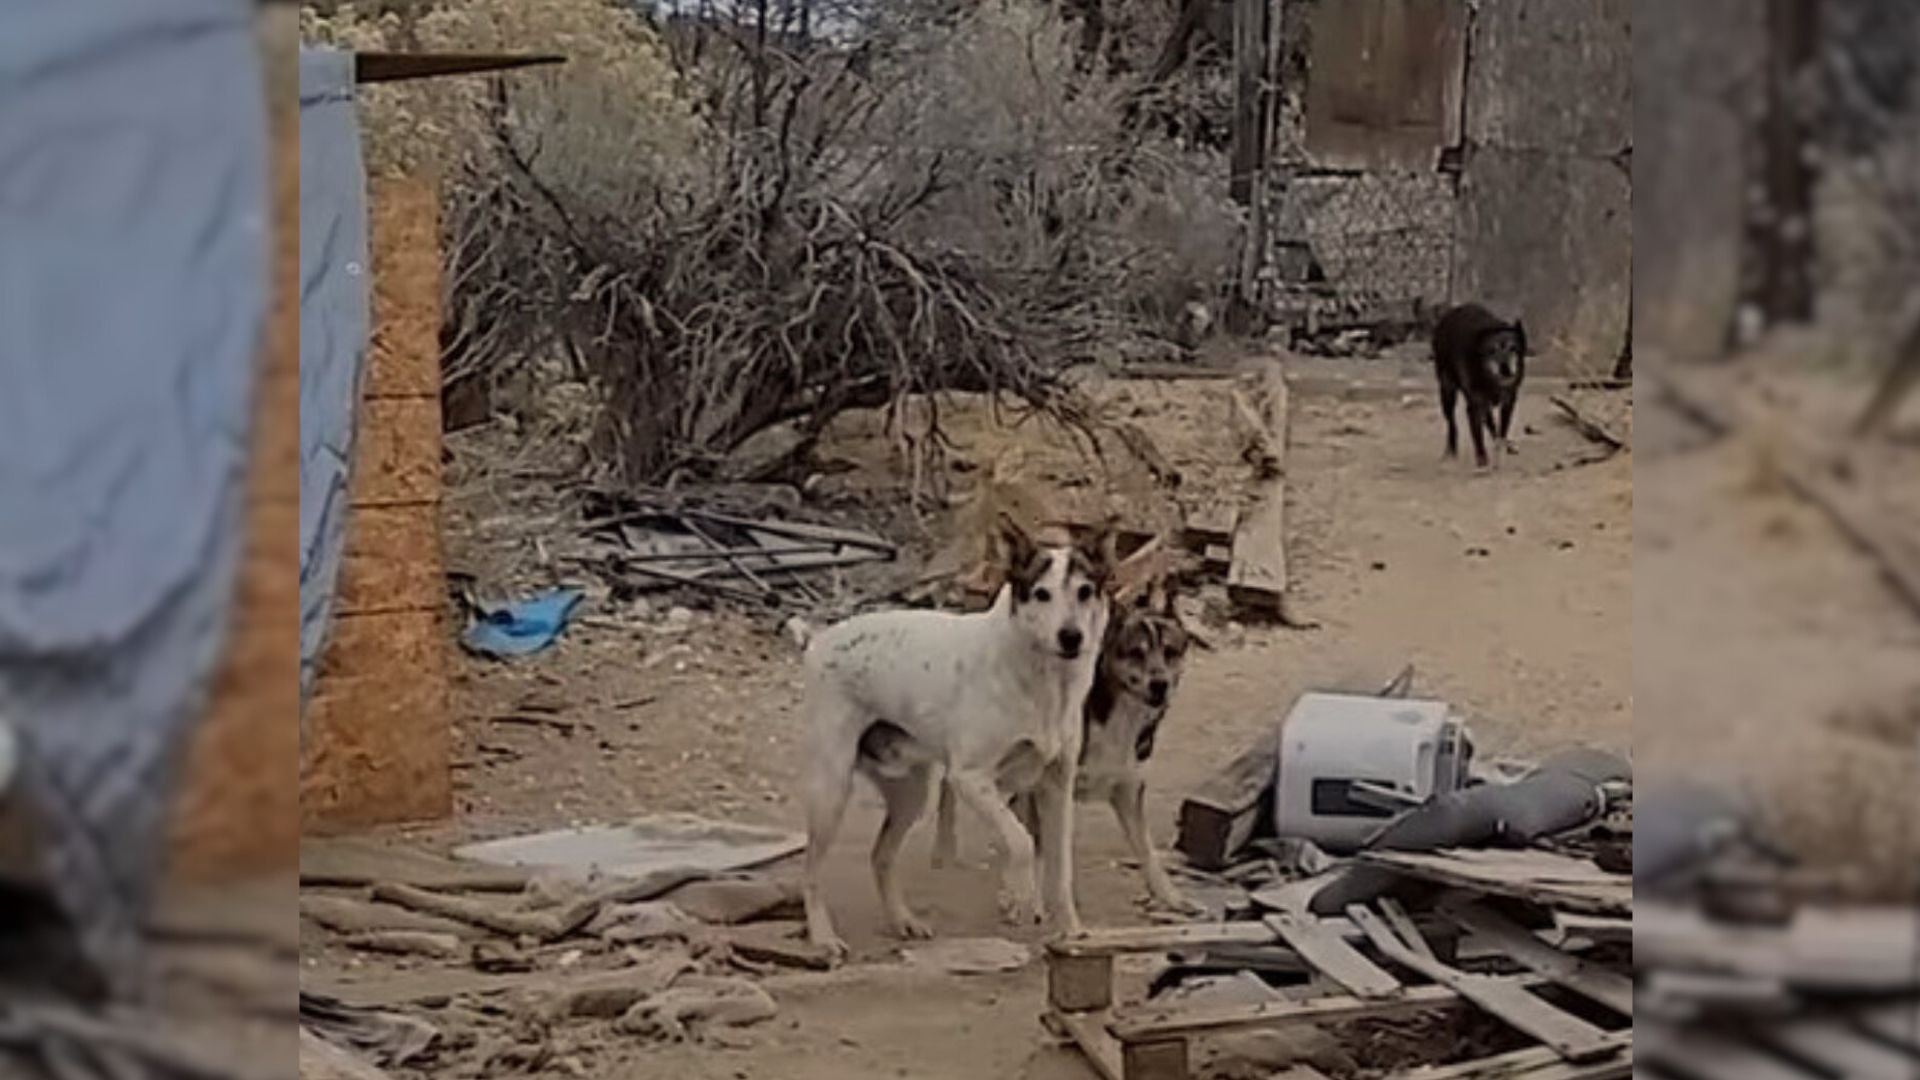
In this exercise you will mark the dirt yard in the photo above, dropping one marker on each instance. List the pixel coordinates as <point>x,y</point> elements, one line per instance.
<point>1769,653</point>
<point>1511,593</point>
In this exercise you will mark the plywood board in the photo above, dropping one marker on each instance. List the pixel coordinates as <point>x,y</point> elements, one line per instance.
<point>393,561</point>
<point>1385,83</point>
<point>380,719</point>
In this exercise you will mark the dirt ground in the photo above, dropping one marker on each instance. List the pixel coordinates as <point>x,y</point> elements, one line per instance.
<point>1769,654</point>
<point>1511,593</point>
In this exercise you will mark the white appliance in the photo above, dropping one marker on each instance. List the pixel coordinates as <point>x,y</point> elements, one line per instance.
<point>1349,763</point>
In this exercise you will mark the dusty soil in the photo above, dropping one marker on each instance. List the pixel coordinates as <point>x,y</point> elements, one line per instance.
<point>1511,593</point>
<point>1769,654</point>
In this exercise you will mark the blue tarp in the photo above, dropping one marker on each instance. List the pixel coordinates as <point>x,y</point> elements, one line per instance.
<point>335,314</point>
<point>133,295</point>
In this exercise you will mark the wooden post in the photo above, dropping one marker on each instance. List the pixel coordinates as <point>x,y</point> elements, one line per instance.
<point>1780,230</point>
<point>1249,156</point>
<point>380,719</point>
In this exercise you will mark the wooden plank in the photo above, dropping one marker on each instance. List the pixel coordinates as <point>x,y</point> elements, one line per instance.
<point>1156,939</point>
<point>1845,949</point>
<point>1079,982</point>
<point>1843,1051</point>
<point>1165,1059</point>
<point>1088,1031</point>
<point>1402,925</point>
<point>1599,929</point>
<point>1257,579</point>
<point>1700,1055</point>
<point>1574,1038</point>
<point>1217,558</point>
<point>1539,876</point>
<point>1595,983</point>
<point>1330,955</point>
<point>1159,1022</point>
<point>1223,815</point>
<point>1211,523</point>
<point>1535,1063</point>
<point>1898,1024</point>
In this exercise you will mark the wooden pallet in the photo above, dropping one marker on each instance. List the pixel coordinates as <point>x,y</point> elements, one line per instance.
<point>1155,1042</point>
<point>1874,1041</point>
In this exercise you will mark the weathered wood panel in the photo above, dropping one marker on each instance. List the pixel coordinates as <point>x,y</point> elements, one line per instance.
<point>1384,86</point>
<point>380,721</point>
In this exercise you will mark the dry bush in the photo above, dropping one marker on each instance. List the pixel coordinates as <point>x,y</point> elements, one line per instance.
<point>727,228</point>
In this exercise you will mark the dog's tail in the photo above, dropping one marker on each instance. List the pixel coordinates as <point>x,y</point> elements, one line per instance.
<point>801,632</point>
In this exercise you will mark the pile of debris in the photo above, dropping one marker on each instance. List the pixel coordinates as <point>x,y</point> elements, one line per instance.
<point>639,548</point>
<point>1503,891</point>
<point>653,927</point>
<point>1742,975</point>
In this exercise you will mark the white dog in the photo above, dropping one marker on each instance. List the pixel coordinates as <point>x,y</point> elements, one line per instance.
<point>993,701</point>
<point>1140,665</point>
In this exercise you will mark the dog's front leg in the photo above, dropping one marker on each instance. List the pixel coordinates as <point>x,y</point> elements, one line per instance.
<point>1054,800</point>
<point>1019,902</point>
<point>1130,806</point>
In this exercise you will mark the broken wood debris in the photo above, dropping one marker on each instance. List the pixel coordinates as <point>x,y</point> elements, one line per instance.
<point>1471,944</point>
<point>739,557</point>
<point>1594,430</point>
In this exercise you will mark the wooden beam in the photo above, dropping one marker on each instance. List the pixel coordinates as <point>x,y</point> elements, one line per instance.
<point>1595,983</point>
<point>375,67</point>
<point>1573,1038</point>
<point>1154,1024</point>
<point>1257,580</point>
<point>1223,815</point>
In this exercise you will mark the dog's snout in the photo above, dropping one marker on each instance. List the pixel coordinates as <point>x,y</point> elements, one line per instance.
<point>1157,692</point>
<point>1071,639</point>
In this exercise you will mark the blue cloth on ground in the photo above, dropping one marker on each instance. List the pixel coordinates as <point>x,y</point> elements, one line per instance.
<point>523,627</point>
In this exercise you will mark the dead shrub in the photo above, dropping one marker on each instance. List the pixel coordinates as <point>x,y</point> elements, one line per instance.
<point>726,226</point>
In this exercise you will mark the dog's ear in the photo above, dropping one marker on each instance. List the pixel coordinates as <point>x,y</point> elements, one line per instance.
<point>1520,335</point>
<point>1097,548</point>
<point>1019,554</point>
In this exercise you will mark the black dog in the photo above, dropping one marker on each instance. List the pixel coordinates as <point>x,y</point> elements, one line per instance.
<point>1477,354</point>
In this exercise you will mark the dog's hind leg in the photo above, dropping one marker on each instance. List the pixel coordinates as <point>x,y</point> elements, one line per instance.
<point>1129,805</point>
<point>906,799</point>
<point>828,788</point>
<point>946,838</point>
